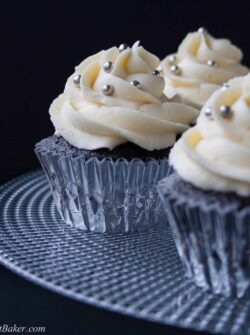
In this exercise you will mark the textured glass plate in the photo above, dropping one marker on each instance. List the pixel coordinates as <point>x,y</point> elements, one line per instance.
<point>138,275</point>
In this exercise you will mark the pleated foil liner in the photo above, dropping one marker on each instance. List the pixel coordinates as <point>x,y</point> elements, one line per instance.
<point>213,242</point>
<point>105,195</point>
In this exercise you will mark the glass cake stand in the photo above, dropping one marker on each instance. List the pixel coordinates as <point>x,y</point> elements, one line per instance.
<point>138,275</point>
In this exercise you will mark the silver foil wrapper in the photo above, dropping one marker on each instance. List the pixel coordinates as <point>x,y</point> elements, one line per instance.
<point>105,195</point>
<point>213,243</point>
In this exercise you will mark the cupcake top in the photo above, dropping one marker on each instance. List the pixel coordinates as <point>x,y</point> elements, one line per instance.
<point>215,154</point>
<point>116,96</point>
<point>201,64</point>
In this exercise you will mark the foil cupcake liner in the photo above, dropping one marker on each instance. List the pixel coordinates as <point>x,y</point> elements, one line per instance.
<point>105,195</point>
<point>213,241</point>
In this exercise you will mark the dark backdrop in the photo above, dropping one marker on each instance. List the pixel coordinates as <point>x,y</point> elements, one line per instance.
<point>40,45</point>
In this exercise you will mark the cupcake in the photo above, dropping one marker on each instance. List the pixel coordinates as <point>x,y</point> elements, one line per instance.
<point>113,130</point>
<point>207,199</point>
<point>200,66</point>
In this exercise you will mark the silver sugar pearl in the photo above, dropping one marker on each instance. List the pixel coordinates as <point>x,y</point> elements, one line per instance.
<point>155,73</point>
<point>208,112</point>
<point>77,79</point>
<point>225,86</point>
<point>226,111</point>
<point>211,62</point>
<point>107,89</point>
<point>107,67</point>
<point>160,70</point>
<point>202,30</point>
<point>172,59</point>
<point>123,47</point>
<point>135,83</point>
<point>175,69</point>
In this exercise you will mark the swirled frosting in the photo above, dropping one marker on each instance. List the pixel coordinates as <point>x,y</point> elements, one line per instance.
<point>215,154</point>
<point>204,63</point>
<point>89,119</point>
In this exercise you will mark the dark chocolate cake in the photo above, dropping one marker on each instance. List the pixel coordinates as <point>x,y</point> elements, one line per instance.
<point>128,151</point>
<point>177,188</point>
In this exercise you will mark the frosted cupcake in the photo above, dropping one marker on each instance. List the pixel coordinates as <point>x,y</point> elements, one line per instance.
<point>208,198</point>
<point>200,66</point>
<point>113,128</point>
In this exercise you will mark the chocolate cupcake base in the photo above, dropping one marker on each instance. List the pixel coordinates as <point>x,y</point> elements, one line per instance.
<point>212,235</point>
<point>102,190</point>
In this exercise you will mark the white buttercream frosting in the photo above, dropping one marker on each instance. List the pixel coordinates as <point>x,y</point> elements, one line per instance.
<point>215,154</point>
<point>89,119</point>
<point>197,80</point>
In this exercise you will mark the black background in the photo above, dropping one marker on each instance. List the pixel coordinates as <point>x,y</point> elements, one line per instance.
<point>40,45</point>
